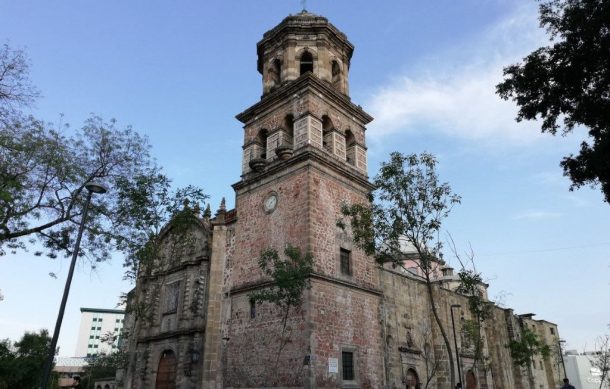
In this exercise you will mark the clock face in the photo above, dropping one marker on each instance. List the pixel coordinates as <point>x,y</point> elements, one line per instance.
<point>270,202</point>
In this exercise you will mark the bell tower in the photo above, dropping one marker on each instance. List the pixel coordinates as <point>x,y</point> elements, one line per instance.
<point>304,155</point>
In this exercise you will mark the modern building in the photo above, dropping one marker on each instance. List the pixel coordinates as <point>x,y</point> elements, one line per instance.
<point>100,331</point>
<point>580,371</point>
<point>360,325</point>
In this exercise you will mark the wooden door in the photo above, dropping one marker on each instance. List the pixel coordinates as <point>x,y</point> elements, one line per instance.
<point>471,381</point>
<point>166,372</point>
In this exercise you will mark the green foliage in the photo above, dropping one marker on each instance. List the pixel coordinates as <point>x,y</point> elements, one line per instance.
<point>523,350</point>
<point>103,366</point>
<point>569,81</point>
<point>290,277</point>
<point>470,286</point>
<point>21,363</point>
<point>44,171</point>
<point>145,206</point>
<point>480,310</point>
<point>408,206</point>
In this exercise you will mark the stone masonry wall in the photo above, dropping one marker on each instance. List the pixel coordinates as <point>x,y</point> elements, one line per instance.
<point>345,319</point>
<point>409,325</point>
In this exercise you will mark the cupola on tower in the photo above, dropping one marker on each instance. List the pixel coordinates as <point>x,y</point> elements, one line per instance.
<point>304,63</point>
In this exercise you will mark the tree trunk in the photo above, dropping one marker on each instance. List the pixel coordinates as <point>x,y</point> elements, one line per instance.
<point>441,328</point>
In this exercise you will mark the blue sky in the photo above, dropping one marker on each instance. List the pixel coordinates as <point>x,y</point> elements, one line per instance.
<point>179,71</point>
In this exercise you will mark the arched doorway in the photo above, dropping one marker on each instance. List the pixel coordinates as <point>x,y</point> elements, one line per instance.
<point>412,379</point>
<point>471,380</point>
<point>166,372</point>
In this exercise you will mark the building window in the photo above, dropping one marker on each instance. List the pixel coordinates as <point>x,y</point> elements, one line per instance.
<point>552,331</point>
<point>252,309</point>
<point>172,293</point>
<point>346,262</point>
<point>95,319</point>
<point>93,328</point>
<point>347,366</point>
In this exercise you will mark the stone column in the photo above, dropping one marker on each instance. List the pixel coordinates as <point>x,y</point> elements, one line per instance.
<point>212,348</point>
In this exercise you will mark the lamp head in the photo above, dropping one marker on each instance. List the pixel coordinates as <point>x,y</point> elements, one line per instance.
<point>94,187</point>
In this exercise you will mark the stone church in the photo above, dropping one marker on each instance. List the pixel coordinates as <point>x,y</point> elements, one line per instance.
<point>360,325</point>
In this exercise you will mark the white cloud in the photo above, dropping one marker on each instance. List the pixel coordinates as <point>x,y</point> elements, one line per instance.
<point>462,103</point>
<point>536,215</point>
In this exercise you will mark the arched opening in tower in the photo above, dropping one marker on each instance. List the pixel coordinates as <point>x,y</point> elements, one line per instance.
<point>306,63</point>
<point>289,131</point>
<point>275,72</point>
<point>262,141</point>
<point>336,75</point>
<point>350,147</point>
<point>327,134</point>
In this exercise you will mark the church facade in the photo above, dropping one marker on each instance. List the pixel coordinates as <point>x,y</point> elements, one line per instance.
<point>360,325</point>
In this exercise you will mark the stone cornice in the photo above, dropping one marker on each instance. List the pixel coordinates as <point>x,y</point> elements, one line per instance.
<point>307,153</point>
<point>314,276</point>
<point>171,334</point>
<point>173,269</point>
<point>307,83</point>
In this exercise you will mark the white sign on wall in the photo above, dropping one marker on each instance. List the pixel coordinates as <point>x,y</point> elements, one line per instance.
<point>333,365</point>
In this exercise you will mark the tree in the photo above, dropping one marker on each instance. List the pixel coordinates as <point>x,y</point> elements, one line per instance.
<point>480,309</point>
<point>44,172</point>
<point>525,348</point>
<point>601,360</point>
<point>103,366</point>
<point>290,278</point>
<point>21,363</point>
<point>569,82</point>
<point>16,90</point>
<point>407,208</point>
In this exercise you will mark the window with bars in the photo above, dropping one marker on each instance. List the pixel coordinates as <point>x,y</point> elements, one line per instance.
<point>347,365</point>
<point>345,257</point>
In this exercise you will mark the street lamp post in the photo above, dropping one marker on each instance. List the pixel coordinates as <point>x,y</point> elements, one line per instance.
<point>457,356</point>
<point>91,188</point>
